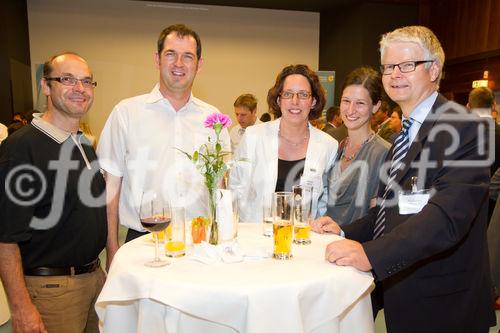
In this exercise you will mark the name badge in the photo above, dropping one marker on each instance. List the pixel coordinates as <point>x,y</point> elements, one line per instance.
<point>412,202</point>
<point>312,180</point>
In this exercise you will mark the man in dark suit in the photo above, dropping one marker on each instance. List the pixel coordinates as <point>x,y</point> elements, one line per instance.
<point>334,125</point>
<point>427,250</point>
<point>482,100</point>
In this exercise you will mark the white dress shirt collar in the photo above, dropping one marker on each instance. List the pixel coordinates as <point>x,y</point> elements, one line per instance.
<point>156,96</point>
<point>420,113</point>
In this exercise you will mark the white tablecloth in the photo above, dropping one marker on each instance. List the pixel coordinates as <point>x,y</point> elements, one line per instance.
<point>305,294</point>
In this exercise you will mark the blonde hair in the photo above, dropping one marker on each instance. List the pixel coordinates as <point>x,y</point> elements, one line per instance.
<point>423,37</point>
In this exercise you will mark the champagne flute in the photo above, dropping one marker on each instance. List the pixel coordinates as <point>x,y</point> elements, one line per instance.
<point>155,216</point>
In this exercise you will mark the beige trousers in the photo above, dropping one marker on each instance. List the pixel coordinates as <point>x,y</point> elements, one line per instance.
<point>66,303</point>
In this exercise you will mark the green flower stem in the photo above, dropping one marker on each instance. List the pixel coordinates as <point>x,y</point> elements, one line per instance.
<point>214,228</point>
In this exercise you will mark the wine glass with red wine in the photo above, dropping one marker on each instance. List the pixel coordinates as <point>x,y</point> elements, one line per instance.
<point>155,216</point>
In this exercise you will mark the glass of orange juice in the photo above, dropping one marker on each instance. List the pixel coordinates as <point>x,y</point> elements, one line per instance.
<point>175,244</point>
<point>165,235</point>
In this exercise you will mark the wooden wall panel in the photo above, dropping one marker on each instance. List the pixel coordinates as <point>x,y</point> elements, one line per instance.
<point>459,76</point>
<point>465,27</point>
<point>494,26</point>
<point>469,31</point>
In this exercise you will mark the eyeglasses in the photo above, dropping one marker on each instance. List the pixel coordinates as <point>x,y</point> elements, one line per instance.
<point>404,67</point>
<point>71,81</point>
<point>300,94</point>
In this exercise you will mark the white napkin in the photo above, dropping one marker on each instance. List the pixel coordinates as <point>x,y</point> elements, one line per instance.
<point>209,254</point>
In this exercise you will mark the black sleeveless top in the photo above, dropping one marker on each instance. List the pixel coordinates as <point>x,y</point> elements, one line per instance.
<point>289,173</point>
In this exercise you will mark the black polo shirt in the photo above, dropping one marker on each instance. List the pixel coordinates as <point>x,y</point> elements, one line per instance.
<point>53,199</point>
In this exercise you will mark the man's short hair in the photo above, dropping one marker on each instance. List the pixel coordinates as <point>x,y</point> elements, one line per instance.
<point>332,112</point>
<point>423,37</point>
<point>181,31</point>
<point>248,101</point>
<point>265,117</point>
<point>48,65</point>
<point>481,98</point>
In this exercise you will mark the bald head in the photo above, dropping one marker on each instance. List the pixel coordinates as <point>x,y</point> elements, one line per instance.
<point>48,66</point>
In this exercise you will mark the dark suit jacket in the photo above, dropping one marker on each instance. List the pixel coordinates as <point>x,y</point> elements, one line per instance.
<point>432,267</point>
<point>496,163</point>
<point>338,133</point>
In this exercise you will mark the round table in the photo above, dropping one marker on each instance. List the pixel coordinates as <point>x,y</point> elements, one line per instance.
<point>256,295</point>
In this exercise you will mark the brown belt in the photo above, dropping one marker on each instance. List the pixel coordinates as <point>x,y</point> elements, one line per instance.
<point>54,271</point>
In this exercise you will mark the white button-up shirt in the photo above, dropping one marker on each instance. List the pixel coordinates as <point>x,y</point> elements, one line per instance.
<point>236,133</point>
<point>143,142</point>
<point>420,113</point>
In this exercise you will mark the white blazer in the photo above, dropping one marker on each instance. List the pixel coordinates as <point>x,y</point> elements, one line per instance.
<point>256,168</point>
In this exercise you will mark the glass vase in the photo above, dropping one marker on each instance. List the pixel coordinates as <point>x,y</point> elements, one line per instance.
<point>212,208</point>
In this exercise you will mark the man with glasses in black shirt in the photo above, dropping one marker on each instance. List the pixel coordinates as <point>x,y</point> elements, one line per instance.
<point>52,209</point>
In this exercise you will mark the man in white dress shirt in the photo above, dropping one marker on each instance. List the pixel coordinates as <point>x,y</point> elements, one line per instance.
<point>141,145</point>
<point>245,110</point>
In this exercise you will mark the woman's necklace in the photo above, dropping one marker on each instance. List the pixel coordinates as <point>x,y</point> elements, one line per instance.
<point>350,157</point>
<point>290,142</point>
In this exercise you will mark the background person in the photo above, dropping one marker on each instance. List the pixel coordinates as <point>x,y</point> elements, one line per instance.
<point>19,117</point>
<point>265,117</point>
<point>396,123</point>
<point>354,178</point>
<point>285,151</point>
<point>482,100</point>
<point>141,143</point>
<point>245,110</point>
<point>334,126</point>
<point>383,122</point>
<point>430,259</point>
<point>494,236</point>
<point>49,266</point>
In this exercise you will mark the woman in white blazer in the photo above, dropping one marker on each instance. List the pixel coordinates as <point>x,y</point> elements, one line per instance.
<point>275,155</point>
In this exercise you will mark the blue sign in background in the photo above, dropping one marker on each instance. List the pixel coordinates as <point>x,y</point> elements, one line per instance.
<point>327,79</point>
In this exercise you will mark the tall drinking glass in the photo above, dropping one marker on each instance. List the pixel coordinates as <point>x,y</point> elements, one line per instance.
<point>302,213</point>
<point>175,246</point>
<point>154,214</point>
<point>282,224</point>
<point>236,214</point>
<point>267,214</point>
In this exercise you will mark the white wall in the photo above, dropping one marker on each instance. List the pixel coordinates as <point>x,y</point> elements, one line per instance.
<point>244,49</point>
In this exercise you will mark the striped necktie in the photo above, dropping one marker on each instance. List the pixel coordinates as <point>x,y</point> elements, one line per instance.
<point>401,146</point>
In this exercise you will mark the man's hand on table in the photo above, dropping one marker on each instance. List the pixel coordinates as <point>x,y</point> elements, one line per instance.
<point>325,224</point>
<point>347,252</point>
